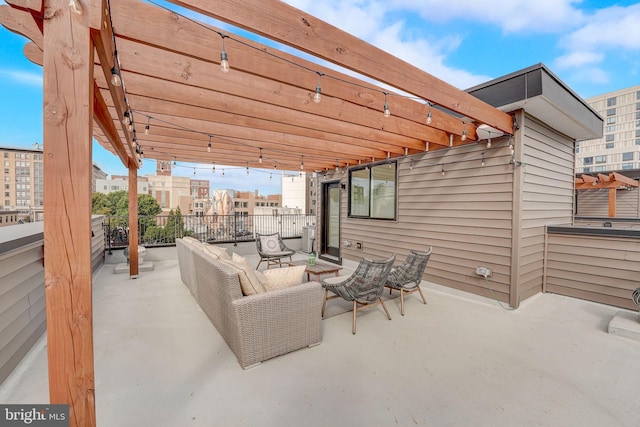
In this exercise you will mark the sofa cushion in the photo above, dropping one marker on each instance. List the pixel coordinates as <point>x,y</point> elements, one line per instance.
<point>270,244</point>
<point>249,282</point>
<point>217,252</point>
<point>278,278</point>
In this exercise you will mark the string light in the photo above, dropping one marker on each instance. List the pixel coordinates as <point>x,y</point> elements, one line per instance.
<point>222,172</point>
<point>301,162</point>
<point>463,137</point>
<point>482,162</point>
<point>174,162</point>
<point>213,169</point>
<point>318,95</point>
<point>146,128</point>
<point>194,171</point>
<point>247,168</point>
<point>387,112</point>
<point>116,80</point>
<point>270,176</point>
<point>224,58</point>
<point>209,145</point>
<point>260,158</point>
<point>442,170</point>
<point>126,120</point>
<point>411,164</point>
<point>489,140</point>
<point>275,166</point>
<point>429,117</point>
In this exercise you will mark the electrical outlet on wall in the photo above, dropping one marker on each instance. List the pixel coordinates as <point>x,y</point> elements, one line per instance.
<point>483,271</point>
<point>359,245</point>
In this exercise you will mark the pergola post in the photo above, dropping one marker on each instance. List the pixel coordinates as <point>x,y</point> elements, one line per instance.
<point>68,119</point>
<point>612,203</point>
<point>133,221</point>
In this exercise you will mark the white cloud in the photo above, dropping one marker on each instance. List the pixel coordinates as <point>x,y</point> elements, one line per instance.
<point>578,59</point>
<point>510,15</point>
<point>22,77</point>
<point>370,20</point>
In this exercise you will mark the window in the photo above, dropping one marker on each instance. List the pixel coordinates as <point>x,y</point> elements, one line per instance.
<point>638,94</point>
<point>611,112</point>
<point>599,169</point>
<point>587,170</point>
<point>609,145</point>
<point>611,120</point>
<point>610,138</point>
<point>627,156</point>
<point>611,101</point>
<point>637,133</point>
<point>611,128</point>
<point>601,159</point>
<point>372,191</point>
<point>627,166</point>
<point>588,160</point>
<point>577,150</point>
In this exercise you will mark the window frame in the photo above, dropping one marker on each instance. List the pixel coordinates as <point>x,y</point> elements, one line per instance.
<point>371,189</point>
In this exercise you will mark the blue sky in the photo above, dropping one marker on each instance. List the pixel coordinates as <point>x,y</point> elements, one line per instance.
<point>592,45</point>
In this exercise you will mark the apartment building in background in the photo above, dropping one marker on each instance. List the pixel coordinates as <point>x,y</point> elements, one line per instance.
<point>120,183</point>
<point>299,192</point>
<point>246,201</point>
<point>619,147</point>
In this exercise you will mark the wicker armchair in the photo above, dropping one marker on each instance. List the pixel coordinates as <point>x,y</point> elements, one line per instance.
<point>363,287</point>
<point>272,249</point>
<point>408,276</point>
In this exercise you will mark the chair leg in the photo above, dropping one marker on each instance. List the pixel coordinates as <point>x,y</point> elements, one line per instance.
<point>422,295</point>
<point>355,309</point>
<point>258,266</point>
<point>385,308</point>
<point>324,302</point>
<point>402,302</point>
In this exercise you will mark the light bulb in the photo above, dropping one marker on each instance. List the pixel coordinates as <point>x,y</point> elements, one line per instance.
<point>489,143</point>
<point>464,135</point>
<point>429,118</point>
<point>126,120</point>
<point>209,148</point>
<point>116,80</point>
<point>387,112</point>
<point>224,62</point>
<point>318,95</point>
<point>146,130</point>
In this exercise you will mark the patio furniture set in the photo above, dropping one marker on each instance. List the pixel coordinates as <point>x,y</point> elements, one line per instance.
<point>258,312</point>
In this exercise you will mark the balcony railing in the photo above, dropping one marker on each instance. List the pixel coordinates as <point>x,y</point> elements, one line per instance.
<point>163,230</point>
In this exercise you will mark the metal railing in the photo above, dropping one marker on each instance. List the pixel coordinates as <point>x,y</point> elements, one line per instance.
<point>163,230</point>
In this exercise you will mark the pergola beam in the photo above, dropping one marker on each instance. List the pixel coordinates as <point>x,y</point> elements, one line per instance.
<point>278,21</point>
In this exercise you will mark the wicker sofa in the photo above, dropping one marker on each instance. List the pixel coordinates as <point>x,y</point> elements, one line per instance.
<point>256,327</point>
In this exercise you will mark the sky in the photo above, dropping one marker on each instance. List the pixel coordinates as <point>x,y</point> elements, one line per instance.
<point>591,45</point>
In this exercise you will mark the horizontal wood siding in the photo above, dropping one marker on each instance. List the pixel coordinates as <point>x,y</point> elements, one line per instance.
<point>22,314</point>
<point>595,203</point>
<point>465,215</point>
<point>547,198</point>
<point>22,302</point>
<point>600,269</point>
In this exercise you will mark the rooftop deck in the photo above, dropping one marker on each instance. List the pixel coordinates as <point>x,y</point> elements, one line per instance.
<point>460,360</point>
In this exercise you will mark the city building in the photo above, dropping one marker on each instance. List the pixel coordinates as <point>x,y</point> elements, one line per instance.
<point>246,201</point>
<point>619,147</point>
<point>9,217</point>
<point>23,185</point>
<point>168,190</point>
<point>96,174</point>
<point>298,191</point>
<point>119,183</point>
<point>200,188</point>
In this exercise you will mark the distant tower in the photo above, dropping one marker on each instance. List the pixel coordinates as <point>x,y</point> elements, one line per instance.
<point>163,168</point>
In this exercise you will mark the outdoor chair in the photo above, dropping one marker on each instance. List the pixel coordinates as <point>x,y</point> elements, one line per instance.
<point>272,249</point>
<point>364,287</point>
<point>407,277</point>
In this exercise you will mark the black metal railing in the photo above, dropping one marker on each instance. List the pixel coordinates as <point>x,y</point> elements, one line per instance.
<point>163,230</point>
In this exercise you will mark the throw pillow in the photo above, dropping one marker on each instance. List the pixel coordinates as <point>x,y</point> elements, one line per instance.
<point>270,244</point>
<point>249,282</point>
<point>278,278</point>
<point>217,252</point>
<point>238,259</point>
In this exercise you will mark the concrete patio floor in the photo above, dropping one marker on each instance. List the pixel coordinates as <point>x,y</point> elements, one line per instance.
<point>458,361</point>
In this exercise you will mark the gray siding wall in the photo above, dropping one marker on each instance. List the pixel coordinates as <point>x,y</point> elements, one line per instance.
<point>600,269</point>
<point>492,215</point>
<point>547,199</point>
<point>465,215</point>
<point>22,311</point>
<point>595,203</point>
<point>22,300</point>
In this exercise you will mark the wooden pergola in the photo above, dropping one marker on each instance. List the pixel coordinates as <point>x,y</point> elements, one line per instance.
<point>612,182</point>
<point>259,114</point>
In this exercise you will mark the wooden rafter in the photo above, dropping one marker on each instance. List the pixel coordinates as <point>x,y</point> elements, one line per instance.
<point>612,181</point>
